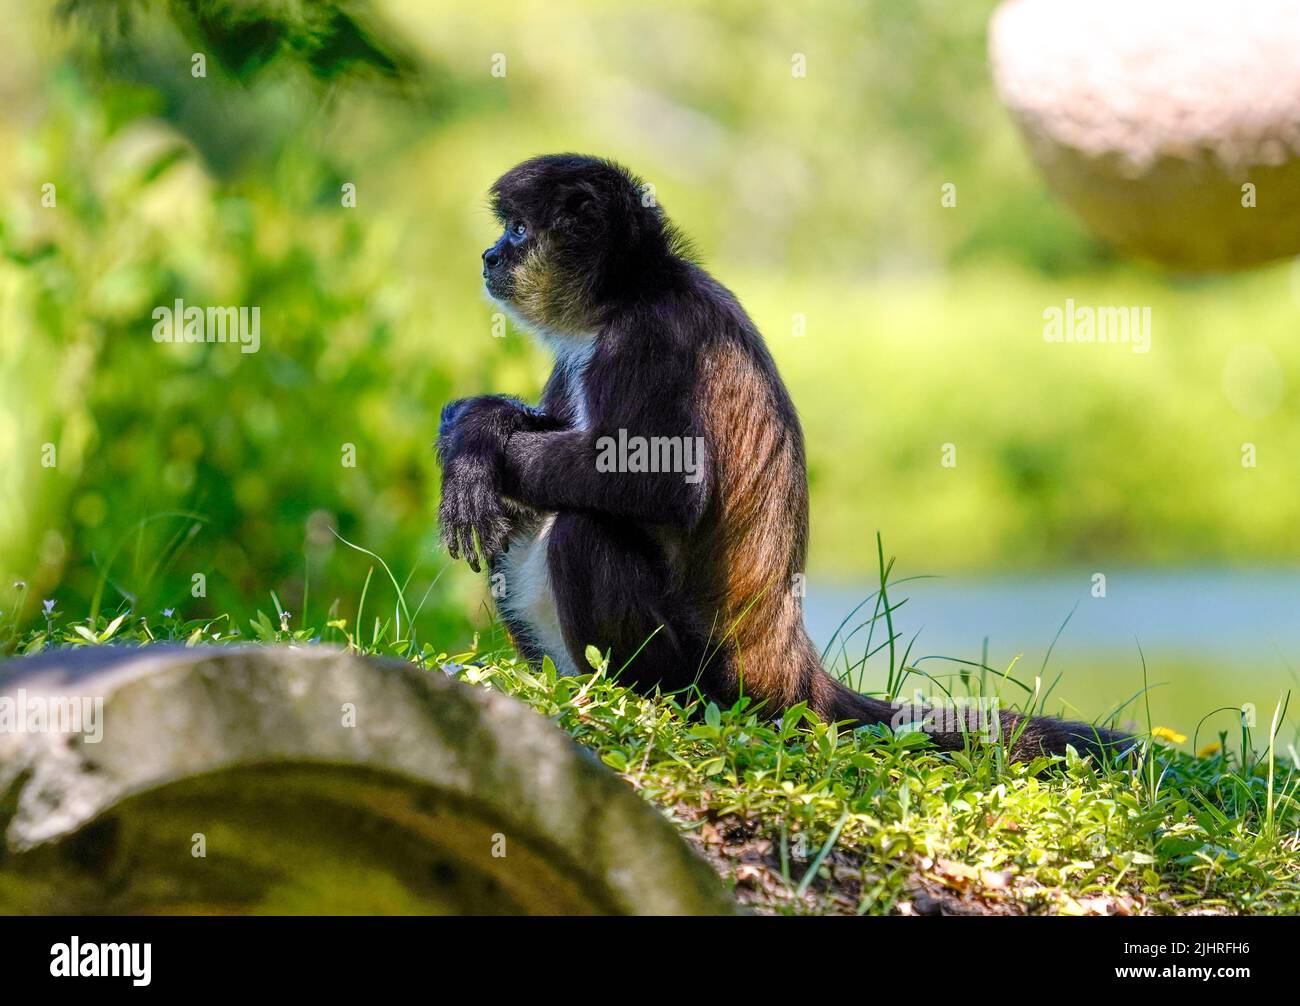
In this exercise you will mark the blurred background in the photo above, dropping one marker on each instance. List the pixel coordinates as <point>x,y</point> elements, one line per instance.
<point>900,324</point>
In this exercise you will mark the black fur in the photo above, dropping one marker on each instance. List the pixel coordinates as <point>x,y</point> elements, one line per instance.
<point>693,578</point>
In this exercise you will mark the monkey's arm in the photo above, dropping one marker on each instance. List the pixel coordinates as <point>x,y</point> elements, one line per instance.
<point>471,437</point>
<point>641,391</point>
<point>471,445</point>
<point>581,470</point>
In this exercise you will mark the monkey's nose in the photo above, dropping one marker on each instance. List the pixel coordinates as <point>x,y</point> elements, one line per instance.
<point>491,257</point>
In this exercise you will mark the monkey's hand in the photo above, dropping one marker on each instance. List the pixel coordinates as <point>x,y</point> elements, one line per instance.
<point>472,436</point>
<point>471,506</point>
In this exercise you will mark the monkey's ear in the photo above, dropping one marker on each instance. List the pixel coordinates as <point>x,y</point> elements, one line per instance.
<point>581,204</point>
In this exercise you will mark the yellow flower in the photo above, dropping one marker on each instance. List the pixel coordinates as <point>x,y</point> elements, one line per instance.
<point>1209,749</point>
<point>1165,734</point>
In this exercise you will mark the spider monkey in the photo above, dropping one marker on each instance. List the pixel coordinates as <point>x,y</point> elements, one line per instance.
<point>685,579</point>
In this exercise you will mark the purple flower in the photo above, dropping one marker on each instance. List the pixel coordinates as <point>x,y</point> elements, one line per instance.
<point>49,607</point>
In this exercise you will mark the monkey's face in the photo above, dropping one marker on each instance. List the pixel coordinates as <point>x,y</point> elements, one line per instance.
<point>575,238</point>
<point>503,258</point>
<point>527,270</point>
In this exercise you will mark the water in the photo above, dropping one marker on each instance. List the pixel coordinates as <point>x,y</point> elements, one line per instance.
<point>1210,637</point>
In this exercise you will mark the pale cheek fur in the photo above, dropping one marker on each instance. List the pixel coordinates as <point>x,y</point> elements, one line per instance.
<point>544,297</point>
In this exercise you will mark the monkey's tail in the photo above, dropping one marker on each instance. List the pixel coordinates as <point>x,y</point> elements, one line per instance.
<point>951,728</point>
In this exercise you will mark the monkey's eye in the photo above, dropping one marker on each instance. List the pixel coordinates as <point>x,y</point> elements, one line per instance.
<point>518,232</point>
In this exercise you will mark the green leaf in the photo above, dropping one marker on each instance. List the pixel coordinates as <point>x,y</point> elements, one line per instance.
<point>113,626</point>
<point>262,627</point>
<point>521,672</point>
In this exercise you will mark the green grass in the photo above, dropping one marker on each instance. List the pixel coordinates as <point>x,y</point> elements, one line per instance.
<point>802,817</point>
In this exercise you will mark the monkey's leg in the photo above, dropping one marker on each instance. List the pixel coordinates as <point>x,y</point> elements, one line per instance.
<point>612,590</point>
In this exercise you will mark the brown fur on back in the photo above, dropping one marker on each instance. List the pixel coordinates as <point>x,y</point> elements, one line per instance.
<point>756,535</point>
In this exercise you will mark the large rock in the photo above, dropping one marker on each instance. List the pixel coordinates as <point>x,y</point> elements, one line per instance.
<point>1149,116</point>
<point>314,781</point>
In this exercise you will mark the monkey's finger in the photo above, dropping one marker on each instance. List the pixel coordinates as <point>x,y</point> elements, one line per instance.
<point>447,532</point>
<point>487,540</point>
<point>471,553</point>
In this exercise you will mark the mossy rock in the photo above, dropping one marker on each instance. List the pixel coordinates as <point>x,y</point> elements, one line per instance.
<point>313,781</point>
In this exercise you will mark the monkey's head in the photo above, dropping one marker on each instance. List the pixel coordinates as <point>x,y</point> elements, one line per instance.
<point>581,236</point>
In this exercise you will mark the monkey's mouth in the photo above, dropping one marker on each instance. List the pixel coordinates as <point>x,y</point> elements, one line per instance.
<point>497,284</point>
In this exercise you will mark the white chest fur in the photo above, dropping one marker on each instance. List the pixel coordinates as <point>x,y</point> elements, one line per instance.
<point>526,594</point>
<point>573,356</point>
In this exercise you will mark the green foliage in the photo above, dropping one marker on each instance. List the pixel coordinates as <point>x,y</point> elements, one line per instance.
<point>815,195</point>
<point>803,817</point>
<point>1214,835</point>
<point>247,35</point>
<point>171,462</point>
<point>1065,454</point>
<point>215,461</point>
